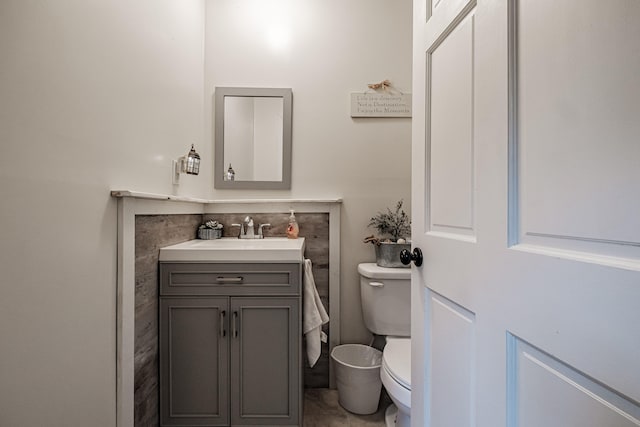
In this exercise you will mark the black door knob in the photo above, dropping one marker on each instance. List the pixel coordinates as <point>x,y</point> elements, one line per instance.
<point>416,256</point>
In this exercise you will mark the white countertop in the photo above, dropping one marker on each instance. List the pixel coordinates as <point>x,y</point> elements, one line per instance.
<point>232,249</point>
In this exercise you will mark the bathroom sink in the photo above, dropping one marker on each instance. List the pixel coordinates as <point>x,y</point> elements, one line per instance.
<point>269,249</point>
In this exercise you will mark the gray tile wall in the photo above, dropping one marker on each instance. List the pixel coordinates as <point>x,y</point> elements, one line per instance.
<point>152,233</point>
<point>155,231</point>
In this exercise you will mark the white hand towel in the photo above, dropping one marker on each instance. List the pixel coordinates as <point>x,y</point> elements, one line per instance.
<point>314,315</point>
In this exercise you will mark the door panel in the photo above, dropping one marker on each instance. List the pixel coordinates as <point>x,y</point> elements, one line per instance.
<point>553,394</point>
<point>526,204</point>
<point>450,138</point>
<point>452,362</point>
<point>585,119</point>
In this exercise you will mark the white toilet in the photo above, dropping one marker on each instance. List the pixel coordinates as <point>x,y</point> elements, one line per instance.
<point>386,308</point>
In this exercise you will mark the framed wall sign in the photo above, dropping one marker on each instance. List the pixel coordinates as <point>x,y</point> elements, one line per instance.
<point>375,104</point>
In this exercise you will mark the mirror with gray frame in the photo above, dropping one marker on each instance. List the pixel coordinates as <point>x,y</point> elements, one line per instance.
<point>252,138</point>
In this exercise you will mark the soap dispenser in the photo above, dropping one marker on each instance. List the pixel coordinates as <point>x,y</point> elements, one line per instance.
<point>293,230</point>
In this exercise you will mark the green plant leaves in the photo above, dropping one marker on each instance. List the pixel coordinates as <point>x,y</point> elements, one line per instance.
<point>396,224</point>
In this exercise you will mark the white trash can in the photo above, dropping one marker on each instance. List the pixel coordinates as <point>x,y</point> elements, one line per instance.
<point>358,377</point>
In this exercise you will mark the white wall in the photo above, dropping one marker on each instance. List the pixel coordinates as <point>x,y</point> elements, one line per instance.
<point>94,96</point>
<point>323,50</point>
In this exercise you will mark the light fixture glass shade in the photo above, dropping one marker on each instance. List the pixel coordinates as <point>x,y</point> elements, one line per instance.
<point>193,162</point>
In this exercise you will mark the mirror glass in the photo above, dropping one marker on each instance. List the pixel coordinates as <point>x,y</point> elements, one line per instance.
<point>253,138</point>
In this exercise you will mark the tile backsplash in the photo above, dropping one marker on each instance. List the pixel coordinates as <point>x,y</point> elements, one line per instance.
<point>151,233</point>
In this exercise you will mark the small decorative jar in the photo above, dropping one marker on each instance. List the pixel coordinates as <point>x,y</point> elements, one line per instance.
<point>210,230</point>
<point>209,233</point>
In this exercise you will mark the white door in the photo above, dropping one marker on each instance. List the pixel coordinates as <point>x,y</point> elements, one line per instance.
<point>526,205</point>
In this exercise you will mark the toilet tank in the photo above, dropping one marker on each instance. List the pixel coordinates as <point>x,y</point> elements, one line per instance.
<point>386,299</point>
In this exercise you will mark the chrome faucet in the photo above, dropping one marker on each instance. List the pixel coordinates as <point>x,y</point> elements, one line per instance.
<point>247,230</point>
<point>260,232</point>
<point>241,232</point>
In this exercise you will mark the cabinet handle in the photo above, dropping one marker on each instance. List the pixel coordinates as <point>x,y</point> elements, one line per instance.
<point>221,279</point>
<point>223,332</point>
<point>235,324</point>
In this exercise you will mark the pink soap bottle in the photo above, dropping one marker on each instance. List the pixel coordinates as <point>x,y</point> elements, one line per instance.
<point>293,230</point>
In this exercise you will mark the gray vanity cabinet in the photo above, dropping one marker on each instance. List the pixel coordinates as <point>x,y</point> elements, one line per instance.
<point>230,350</point>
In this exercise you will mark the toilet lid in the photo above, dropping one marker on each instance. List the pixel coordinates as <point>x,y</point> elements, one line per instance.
<point>396,359</point>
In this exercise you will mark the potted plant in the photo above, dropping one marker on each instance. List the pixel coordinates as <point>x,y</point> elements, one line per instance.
<point>394,228</point>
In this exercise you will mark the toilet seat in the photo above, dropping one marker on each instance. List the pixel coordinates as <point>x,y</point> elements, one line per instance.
<point>396,360</point>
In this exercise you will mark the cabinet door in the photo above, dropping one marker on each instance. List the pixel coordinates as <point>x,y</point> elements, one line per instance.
<point>265,361</point>
<point>194,348</point>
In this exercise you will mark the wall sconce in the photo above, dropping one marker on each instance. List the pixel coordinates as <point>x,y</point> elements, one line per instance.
<point>192,165</point>
<point>189,164</point>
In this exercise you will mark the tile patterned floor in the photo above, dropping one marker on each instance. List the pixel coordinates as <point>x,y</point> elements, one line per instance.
<point>321,409</point>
